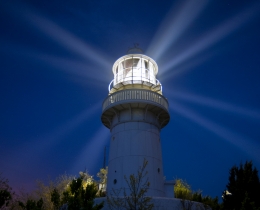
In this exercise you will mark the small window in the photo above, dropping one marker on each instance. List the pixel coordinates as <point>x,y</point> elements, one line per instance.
<point>115,181</point>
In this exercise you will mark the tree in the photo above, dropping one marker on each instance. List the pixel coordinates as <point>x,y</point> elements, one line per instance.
<point>5,192</point>
<point>138,186</point>
<point>243,188</point>
<point>102,183</point>
<point>32,204</point>
<point>43,191</point>
<point>183,191</point>
<point>79,194</point>
<point>55,198</point>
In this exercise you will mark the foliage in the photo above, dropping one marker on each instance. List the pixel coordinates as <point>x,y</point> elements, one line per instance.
<point>183,191</point>
<point>243,188</point>
<point>32,204</point>
<point>102,174</point>
<point>136,200</point>
<point>55,198</point>
<point>78,196</point>
<point>6,193</point>
<point>45,191</point>
<point>206,201</point>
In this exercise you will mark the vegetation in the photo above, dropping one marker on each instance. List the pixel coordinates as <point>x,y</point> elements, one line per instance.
<point>102,174</point>
<point>32,204</point>
<point>242,193</point>
<point>135,200</point>
<point>78,196</point>
<point>243,188</point>
<point>45,191</point>
<point>53,195</point>
<point>183,191</point>
<point>6,193</point>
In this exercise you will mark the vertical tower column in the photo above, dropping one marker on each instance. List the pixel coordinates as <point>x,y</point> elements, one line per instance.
<point>135,111</point>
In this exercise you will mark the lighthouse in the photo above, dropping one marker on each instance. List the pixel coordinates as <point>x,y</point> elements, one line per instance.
<point>135,111</point>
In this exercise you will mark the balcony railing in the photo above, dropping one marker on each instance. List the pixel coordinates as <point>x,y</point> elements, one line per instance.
<point>135,80</point>
<point>135,95</point>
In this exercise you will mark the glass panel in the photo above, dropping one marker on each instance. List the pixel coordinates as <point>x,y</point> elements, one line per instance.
<point>128,63</point>
<point>146,64</point>
<point>135,62</point>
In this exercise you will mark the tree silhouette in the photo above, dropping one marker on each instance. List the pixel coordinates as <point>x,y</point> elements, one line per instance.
<point>5,192</point>
<point>77,196</point>
<point>243,188</point>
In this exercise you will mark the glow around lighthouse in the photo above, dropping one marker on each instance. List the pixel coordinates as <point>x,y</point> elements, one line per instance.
<point>135,111</point>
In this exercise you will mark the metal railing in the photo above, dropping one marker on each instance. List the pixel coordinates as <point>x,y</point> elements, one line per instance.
<point>133,80</point>
<point>135,95</point>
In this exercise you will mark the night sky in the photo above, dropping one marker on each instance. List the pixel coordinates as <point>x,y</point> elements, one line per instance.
<point>56,63</point>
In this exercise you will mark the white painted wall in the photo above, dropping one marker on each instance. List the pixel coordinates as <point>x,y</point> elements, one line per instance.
<point>134,138</point>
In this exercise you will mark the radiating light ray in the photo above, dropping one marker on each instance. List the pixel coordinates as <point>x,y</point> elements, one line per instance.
<point>67,40</point>
<point>60,35</point>
<point>174,26</point>
<point>32,153</point>
<point>56,136</point>
<point>91,153</point>
<point>213,37</point>
<point>79,68</point>
<point>243,143</point>
<point>224,106</point>
<point>179,70</point>
<point>40,145</point>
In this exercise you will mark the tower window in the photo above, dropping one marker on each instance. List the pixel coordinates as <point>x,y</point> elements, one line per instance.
<point>115,181</point>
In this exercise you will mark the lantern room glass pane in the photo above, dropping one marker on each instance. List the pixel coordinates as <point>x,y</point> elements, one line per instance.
<point>128,63</point>
<point>135,62</point>
<point>146,64</point>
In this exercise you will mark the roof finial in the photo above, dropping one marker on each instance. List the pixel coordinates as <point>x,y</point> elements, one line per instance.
<point>135,49</point>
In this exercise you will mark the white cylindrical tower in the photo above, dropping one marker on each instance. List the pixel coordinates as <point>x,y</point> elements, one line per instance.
<point>135,111</point>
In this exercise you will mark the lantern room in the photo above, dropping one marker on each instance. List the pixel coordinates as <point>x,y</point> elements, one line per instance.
<point>135,71</point>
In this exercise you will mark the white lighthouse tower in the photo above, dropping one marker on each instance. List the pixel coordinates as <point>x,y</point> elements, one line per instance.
<point>135,111</point>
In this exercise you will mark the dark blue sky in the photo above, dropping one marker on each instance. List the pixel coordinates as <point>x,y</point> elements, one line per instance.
<point>56,63</point>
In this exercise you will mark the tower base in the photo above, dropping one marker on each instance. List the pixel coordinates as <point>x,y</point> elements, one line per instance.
<point>163,203</point>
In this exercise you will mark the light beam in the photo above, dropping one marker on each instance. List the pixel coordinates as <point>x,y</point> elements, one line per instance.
<point>174,25</point>
<point>40,145</point>
<point>224,106</point>
<point>90,154</point>
<point>66,39</point>
<point>243,143</point>
<point>212,38</point>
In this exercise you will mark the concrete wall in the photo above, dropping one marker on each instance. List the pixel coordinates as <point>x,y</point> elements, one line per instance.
<point>164,204</point>
<point>135,137</point>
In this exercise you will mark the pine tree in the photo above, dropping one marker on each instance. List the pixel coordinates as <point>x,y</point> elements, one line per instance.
<point>243,188</point>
